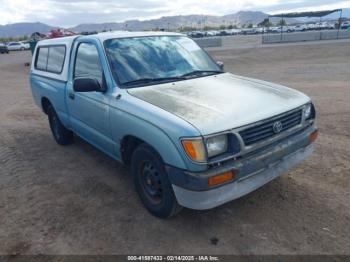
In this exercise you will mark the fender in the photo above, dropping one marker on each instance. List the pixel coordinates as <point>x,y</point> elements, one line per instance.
<point>123,124</point>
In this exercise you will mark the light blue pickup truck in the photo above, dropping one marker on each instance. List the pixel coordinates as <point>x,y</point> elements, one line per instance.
<point>194,135</point>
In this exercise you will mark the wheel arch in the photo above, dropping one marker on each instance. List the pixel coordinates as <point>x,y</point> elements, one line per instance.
<point>157,140</point>
<point>128,145</point>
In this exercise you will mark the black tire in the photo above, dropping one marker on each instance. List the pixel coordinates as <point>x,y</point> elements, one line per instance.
<point>152,183</point>
<point>62,135</point>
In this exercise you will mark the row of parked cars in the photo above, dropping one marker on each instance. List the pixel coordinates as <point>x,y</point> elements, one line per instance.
<point>275,29</point>
<point>13,46</point>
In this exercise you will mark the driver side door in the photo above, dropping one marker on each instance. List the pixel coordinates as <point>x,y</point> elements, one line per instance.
<point>89,111</point>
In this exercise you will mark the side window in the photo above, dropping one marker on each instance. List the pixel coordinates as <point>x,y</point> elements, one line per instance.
<point>56,59</point>
<point>50,59</point>
<point>41,60</point>
<point>87,63</point>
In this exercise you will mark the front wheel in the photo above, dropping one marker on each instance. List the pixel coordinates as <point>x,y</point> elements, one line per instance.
<point>152,183</point>
<point>62,135</point>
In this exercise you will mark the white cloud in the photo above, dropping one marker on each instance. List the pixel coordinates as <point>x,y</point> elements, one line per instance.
<point>73,12</point>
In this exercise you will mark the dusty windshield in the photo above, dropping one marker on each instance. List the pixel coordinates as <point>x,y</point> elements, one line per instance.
<point>142,61</point>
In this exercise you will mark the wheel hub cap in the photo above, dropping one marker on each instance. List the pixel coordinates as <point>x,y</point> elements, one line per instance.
<point>152,181</point>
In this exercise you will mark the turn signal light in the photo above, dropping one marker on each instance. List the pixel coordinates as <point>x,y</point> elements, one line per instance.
<point>313,136</point>
<point>195,149</point>
<point>222,178</point>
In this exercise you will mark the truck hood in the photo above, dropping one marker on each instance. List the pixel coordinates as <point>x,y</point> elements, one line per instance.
<point>221,102</point>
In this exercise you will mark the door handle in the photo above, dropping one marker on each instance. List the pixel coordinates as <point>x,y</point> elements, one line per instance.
<point>71,95</point>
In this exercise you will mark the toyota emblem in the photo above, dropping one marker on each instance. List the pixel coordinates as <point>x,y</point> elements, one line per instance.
<point>277,127</point>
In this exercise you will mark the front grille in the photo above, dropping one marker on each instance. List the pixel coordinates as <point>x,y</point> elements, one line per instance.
<point>257,133</point>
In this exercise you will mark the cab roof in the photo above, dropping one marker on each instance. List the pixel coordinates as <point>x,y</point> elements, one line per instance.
<point>105,36</point>
<point>123,34</point>
<point>68,43</point>
<point>56,41</point>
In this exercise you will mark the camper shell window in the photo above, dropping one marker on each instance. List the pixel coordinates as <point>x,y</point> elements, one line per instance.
<point>50,58</point>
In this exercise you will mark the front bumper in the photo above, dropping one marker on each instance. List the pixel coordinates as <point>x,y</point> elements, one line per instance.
<point>255,170</point>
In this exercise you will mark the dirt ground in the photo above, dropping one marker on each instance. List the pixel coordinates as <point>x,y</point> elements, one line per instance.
<point>76,200</point>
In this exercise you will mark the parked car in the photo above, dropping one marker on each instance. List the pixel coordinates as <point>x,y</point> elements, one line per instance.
<point>3,49</point>
<point>26,45</point>
<point>211,33</point>
<point>16,46</point>
<point>330,25</point>
<point>278,29</point>
<point>283,29</point>
<point>194,135</point>
<point>235,31</point>
<point>300,28</point>
<point>224,33</point>
<point>311,27</point>
<point>289,29</point>
<point>196,34</point>
<point>345,25</point>
<point>249,31</point>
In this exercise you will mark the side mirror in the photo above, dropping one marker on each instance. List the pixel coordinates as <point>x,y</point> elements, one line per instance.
<point>221,65</point>
<point>86,85</point>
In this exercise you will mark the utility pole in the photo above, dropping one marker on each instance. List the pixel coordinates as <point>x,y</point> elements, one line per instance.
<point>339,22</point>
<point>282,28</point>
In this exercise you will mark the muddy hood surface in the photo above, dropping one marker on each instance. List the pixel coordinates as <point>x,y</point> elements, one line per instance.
<point>221,102</point>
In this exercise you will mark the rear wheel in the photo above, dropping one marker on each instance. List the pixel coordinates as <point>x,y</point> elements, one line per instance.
<point>62,135</point>
<point>152,183</point>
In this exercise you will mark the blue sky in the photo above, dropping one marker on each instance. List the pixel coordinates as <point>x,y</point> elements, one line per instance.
<point>73,12</point>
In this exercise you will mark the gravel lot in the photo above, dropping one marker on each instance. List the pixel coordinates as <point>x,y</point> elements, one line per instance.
<point>76,200</point>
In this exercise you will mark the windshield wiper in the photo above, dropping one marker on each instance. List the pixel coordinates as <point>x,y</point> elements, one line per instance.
<point>141,81</point>
<point>202,72</point>
<point>152,80</point>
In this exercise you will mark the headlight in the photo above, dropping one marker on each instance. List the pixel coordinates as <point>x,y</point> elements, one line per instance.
<point>194,149</point>
<point>307,111</point>
<point>216,145</point>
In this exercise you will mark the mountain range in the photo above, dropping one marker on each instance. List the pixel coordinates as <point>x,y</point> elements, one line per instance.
<point>175,22</point>
<point>23,29</point>
<point>166,22</point>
